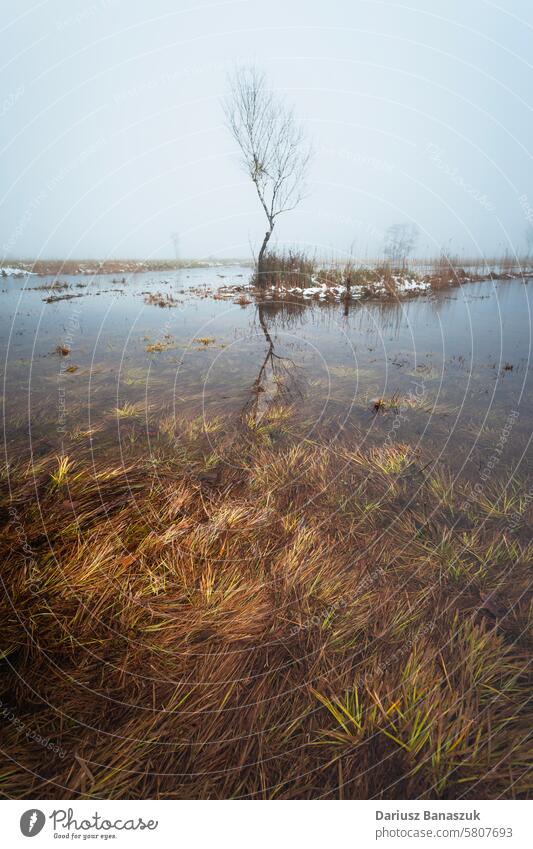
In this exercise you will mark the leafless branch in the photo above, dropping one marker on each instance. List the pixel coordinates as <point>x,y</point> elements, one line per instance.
<point>274,150</point>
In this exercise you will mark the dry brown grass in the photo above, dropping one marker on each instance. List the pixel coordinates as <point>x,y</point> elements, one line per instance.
<point>289,268</point>
<point>263,619</point>
<point>160,299</point>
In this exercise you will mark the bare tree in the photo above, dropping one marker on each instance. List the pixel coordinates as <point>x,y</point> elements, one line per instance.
<point>275,153</point>
<point>400,241</point>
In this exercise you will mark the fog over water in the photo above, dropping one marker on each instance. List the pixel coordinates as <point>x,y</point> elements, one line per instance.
<point>113,141</point>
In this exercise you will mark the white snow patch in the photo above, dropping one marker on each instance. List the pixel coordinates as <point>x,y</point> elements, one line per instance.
<point>412,285</point>
<point>8,271</point>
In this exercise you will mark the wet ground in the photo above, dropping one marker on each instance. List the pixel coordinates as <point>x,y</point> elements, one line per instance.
<point>104,360</point>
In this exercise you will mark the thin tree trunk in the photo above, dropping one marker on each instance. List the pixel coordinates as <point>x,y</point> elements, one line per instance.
<point>260,269</point>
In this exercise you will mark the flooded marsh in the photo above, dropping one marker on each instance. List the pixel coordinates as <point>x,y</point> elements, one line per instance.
<point>265,549</point>
<point>451,365</point>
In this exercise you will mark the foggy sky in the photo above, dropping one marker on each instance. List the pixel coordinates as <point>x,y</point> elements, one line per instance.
<point>113,135</point>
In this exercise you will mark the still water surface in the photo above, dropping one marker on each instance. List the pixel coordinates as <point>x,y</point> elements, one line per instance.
<point>461,357</point>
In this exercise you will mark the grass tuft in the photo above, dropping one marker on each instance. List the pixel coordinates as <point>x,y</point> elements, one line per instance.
<point>255,617</point>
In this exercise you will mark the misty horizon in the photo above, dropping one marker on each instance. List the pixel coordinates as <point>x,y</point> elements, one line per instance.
<point>115,143</point>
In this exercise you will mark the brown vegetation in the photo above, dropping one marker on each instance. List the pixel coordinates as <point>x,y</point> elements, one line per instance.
<point>159,299</point>
<point>294,269</point>
<point>110,266</point>
<point>263,616</point>
<point>288,268</point>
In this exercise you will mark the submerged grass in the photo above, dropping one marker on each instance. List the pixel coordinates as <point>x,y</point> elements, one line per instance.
<point>269,618</point>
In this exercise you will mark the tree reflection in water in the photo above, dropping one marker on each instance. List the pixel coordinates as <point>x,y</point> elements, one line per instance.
<point>279,381</point>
